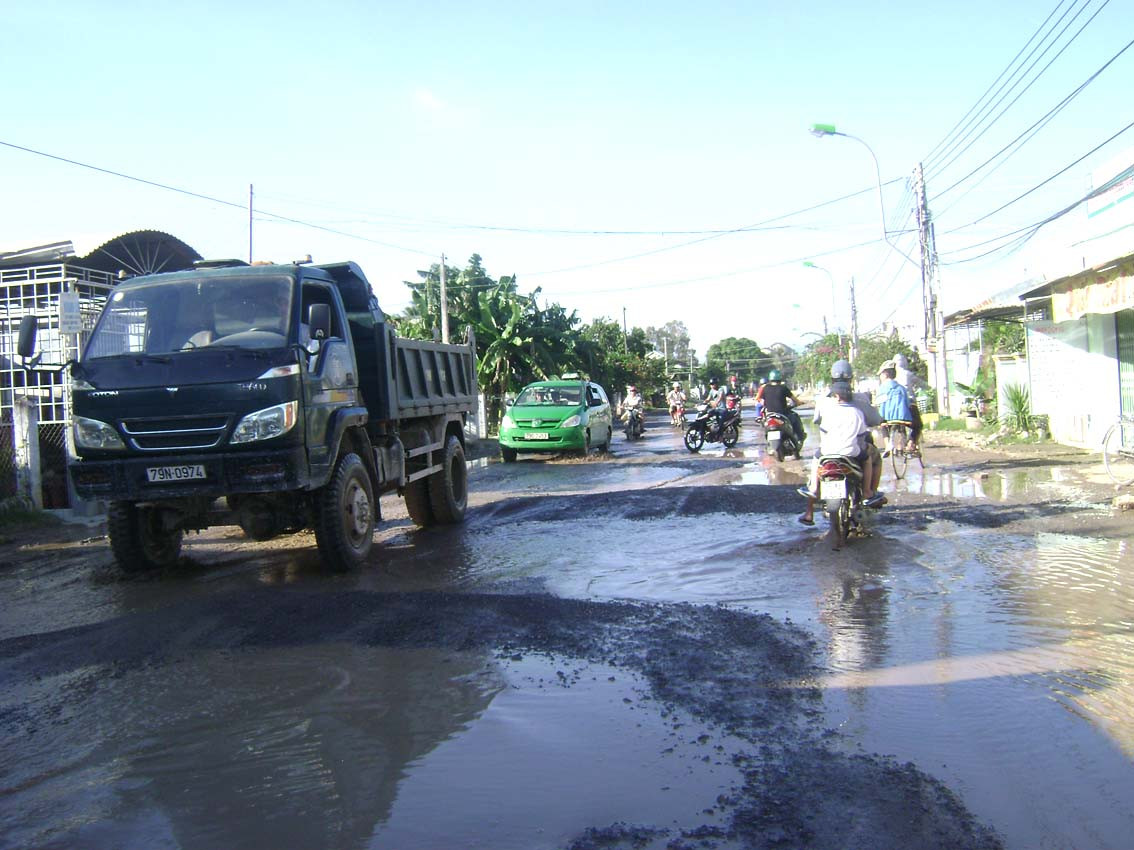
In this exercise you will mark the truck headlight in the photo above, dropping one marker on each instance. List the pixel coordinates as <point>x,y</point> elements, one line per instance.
<point>267,423</point>
<point>93,434</point>
<point>507,422</point>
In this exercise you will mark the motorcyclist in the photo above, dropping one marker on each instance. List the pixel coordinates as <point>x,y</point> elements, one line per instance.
<point>676,399</point>
<point>634,401</point>
<point>760,400</point>
<point>777,397</point>
<point>841,376</point>
<point>716,402</point>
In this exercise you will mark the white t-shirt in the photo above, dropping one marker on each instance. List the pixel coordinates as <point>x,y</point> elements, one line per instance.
<point>841,428</point>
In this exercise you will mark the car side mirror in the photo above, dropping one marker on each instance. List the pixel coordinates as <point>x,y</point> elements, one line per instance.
<point>25,346</point>
<point>319,321</point>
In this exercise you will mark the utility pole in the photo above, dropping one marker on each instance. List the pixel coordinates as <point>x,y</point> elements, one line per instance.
<point>930,333</point>
<point>249,224</point>
<point>444,305</point>
<point>625,333</point>
<point>853,324</point>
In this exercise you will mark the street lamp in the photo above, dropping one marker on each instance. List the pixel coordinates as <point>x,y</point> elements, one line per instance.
<point>834,299</point>
<point>821,130</point>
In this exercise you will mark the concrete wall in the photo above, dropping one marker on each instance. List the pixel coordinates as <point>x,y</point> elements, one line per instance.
<point>1073,372</point>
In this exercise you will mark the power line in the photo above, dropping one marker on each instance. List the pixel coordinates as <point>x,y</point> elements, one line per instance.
<point>211,199</point>
<point>744,229</point>
<point>929,158</point>
<point>981,118</point>
<point>1034,129</point>
<point>1042,184</point>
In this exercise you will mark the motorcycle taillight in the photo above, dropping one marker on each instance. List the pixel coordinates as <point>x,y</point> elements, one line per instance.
<point>831,469</point>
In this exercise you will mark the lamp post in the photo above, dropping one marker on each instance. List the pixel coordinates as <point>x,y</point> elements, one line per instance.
<point>834,298</point>
<point>821,130</point>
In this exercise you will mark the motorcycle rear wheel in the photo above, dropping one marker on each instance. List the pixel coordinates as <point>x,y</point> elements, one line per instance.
<point>730,436</point>
<point>838,515</point>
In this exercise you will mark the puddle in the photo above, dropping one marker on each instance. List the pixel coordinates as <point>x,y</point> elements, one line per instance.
<point>1001,664</point>
<point>371,747</point>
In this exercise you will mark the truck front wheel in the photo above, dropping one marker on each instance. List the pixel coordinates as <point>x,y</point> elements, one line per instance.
<point>344,527</point>
<point>449,487</point>
<point>139,540</point>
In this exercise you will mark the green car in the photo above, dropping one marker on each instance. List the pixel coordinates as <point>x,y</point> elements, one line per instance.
<point>556,416</point>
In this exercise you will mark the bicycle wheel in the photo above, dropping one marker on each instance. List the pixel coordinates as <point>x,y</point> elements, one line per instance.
<point>898,457</point>
<point>1118,452</point>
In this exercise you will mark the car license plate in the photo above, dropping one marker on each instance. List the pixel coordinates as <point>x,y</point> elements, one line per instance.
<point>538,435</point>
<point>834,489</point>
<point>164,474</point>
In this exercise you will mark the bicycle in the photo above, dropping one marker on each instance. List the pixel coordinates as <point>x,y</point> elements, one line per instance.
<point>1118,451</point>
<point>901,448</point>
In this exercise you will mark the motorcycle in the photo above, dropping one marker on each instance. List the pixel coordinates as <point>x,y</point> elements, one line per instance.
<point>705,429</point>
<point>840,491</point>
<point>780,436</point>
<point>677,419</point>
<point>633,427</point>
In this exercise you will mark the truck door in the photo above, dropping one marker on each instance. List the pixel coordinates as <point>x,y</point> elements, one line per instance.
<point>330,376</point>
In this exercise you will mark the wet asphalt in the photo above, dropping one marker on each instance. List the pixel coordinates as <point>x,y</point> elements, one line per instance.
<point>639,649</point>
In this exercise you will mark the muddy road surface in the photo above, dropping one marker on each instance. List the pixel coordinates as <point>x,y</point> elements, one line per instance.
<point>636,650</point>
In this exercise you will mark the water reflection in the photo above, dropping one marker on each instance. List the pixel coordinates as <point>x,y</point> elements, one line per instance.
<point>298,747</point>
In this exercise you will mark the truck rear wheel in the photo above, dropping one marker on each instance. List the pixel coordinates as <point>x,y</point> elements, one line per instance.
<point>449,487</point>
<point>417,503</point>
<point>138,540</point>
<point>344,526</point>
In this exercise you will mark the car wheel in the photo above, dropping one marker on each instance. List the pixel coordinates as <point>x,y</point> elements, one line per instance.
<point>507,455</point>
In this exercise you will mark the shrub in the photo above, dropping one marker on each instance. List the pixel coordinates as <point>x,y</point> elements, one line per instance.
<point>1018,415</point>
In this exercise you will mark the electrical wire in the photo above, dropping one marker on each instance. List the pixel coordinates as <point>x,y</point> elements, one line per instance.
<point>947,140</point>
<point>1035,128</point>
<point>992,122</point>
<point>1038,186</point>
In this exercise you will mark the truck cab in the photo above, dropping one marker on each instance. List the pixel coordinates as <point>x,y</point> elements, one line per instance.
<point>277,388</point>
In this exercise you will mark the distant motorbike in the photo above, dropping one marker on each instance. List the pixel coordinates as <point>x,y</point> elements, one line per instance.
<point>780,436</point>
<point>633,427</point>
<point>677,417</point>
<point>840,491</point>
<point>705,429</point>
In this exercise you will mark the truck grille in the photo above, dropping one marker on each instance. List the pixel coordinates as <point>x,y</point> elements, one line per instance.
<point>180,432</point>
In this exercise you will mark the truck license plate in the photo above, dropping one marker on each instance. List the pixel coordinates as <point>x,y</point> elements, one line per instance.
<point>538,435</point>
<point>836,489</point>
<point>187,472</point>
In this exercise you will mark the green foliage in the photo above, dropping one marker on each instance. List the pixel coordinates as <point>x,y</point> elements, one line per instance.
<point>1001,338</point>
<point>1018,416</point>
<point>738,356</point>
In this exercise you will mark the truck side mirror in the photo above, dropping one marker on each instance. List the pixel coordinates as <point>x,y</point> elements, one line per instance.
<point>26,343</point>
<point>319,321</point>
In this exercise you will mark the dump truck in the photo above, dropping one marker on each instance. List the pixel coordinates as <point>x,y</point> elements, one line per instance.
<point>273,397</point>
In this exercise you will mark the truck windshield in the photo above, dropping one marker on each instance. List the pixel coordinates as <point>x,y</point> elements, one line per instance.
<point>188,314</point>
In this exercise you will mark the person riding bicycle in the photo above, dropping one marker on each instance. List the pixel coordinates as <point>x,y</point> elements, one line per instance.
<point>676,399</point>
<point>911,383</point>
<point>775,396</point>
<point>893,401</point>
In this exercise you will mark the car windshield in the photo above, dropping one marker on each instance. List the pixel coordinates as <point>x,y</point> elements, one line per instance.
<point>559,396</point>
<point>190,314</point>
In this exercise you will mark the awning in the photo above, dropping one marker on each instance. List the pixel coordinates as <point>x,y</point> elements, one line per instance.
<point>1106,288</point>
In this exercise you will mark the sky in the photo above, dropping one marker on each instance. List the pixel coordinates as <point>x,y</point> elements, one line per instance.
<point>642,159</point>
